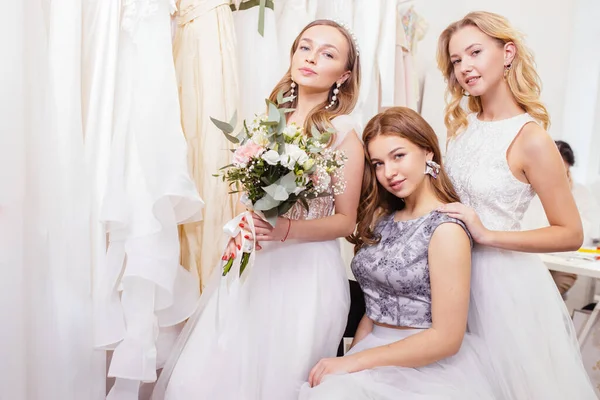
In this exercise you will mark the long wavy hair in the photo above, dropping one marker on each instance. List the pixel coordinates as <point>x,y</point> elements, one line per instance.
<point>348,94</point>
<point>522,78</point>
<point>375,200</point>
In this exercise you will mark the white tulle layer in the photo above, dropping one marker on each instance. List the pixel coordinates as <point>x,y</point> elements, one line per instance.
<point>259,339</point>
<point>518,312</point>
<point>458,377</point>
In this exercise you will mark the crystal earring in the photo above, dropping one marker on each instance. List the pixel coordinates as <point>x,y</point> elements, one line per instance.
<point>293,90</point>
<point>334,97</point>
<point>432,168</point>
<point>465,93</point>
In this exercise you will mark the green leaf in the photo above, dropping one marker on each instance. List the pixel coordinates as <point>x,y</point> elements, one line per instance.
<point>288,110</point>
<point>223,126</point>
<point>271,216</point>
<point>274,115</point>
<point>277,191</point>
<point>315,132</point>
<point>287,99</point>
<point>285,207</point>
<point>280,99</point>
<point>232,139</point>
<point>266,203</point>
<point>304,202</point>
<point>233,121</point>
<point>227,166</point>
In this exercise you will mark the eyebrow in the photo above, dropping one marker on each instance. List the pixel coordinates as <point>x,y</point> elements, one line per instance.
<point>467,49</point>
<point>391,152</point>
<point>325,45</point>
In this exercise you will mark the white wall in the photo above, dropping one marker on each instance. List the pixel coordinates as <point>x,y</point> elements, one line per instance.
<point>547,25</point>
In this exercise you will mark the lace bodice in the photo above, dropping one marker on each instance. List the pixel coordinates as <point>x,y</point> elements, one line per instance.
<point>477,165</point>
<point>323,206</point>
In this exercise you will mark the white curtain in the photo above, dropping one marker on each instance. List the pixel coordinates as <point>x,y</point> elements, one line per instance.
<point>45,269</point>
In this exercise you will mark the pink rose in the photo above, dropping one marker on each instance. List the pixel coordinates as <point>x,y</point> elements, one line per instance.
<point>244,153</point>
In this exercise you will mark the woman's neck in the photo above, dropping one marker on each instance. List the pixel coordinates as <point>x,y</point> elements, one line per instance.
<point>422,201</point>
<point>307,101</point>
<point>499,103</point>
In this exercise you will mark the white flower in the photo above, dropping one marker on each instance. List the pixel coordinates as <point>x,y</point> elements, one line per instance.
<point>260,138</point>
<point>293,155</point>
<point>271,157</point>
<point>308,164</point>
<point>291,130</point>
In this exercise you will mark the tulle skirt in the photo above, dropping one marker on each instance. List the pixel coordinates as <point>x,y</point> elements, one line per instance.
<point>258,339</point>
<point>518,313</point>
<point>461,376</point>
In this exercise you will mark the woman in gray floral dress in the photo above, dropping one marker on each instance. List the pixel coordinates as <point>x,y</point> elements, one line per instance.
<point>413,264</point>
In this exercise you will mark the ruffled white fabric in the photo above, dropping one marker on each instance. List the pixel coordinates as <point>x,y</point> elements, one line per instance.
<point>517,310</point>
<point>257,338</point>
<point>148,193</point>
<point>459,377</point>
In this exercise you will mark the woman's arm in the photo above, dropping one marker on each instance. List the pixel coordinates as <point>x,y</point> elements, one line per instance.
<point>537,156</point>
<point>340,224</point>
<point>449,270</point>
<point>544,169</point>
<point>365,326</point>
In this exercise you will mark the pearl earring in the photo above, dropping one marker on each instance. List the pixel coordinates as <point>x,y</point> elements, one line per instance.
<point>293,91</point>
<point>334,97</point>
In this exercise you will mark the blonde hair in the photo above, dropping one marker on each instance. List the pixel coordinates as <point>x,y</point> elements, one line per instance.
<point>348,93</point>
<point>375,200</point>
<point>522,78</point>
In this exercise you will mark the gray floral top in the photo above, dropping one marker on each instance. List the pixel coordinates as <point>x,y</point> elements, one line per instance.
<point>394,273</point>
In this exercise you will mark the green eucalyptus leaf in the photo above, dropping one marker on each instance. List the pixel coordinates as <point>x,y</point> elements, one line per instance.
<point>223,126</point>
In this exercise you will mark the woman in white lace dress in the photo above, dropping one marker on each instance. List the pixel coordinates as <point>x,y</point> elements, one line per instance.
<point>498,157</point>
<point>292,309</point>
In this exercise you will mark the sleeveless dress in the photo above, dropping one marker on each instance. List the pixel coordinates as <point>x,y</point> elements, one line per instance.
<point>394,275</point>
<point>258,339</point>
<point>515,306</point>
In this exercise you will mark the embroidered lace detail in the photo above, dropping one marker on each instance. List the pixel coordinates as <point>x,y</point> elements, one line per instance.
<point>476,163</point>
<point>135,11</point>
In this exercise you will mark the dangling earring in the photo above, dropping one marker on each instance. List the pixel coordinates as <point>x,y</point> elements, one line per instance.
<point>432,168</point>
<point>334,97</point>
<point>507,70</point>
<point>293,91</point>
<point>465,93</point>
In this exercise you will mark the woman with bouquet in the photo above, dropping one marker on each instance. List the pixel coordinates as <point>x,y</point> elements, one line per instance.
<point>291,309</point>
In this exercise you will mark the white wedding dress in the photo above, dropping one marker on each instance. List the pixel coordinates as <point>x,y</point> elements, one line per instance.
<point>515,306</point>
<point>258,338</point>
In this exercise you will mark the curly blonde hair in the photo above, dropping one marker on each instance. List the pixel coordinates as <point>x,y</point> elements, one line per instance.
<point>522,78</point>
<point>320,117</point>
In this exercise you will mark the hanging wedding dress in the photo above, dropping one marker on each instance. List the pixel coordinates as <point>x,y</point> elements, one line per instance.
<point>205,62</point>
<point>45,273</point>
<point>148,192</point>
<point>259,66</point>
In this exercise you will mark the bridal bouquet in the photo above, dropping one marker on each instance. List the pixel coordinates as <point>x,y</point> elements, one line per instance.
<point>277,164</point>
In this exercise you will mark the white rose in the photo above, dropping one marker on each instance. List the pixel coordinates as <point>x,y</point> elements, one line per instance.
<point>293,155</point>
<point>291,130</point>
<point>271,157</point>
